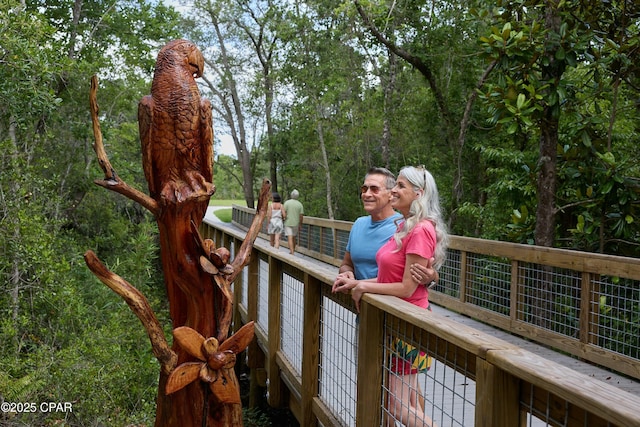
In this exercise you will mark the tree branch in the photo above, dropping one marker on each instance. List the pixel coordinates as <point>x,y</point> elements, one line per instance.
<point>244,253</point>
<point>464,126</point>
<point>418,63</point>
<point>140,307</point>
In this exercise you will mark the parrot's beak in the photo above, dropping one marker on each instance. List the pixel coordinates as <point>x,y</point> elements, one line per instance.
<point>196,60</point>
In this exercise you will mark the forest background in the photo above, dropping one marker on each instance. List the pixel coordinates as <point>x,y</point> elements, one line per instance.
<point>526,113</point>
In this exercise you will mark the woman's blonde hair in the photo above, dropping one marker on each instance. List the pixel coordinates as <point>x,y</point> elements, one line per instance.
<point>424,207</point>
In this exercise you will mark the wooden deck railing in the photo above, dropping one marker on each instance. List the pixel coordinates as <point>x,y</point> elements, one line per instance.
<point>585,304</point>
<point>305,336</point>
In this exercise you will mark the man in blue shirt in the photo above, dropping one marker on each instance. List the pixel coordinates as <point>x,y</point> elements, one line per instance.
<point>370,232</point>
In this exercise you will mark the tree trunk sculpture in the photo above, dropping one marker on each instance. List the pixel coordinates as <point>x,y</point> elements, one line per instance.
<point>197,385</point>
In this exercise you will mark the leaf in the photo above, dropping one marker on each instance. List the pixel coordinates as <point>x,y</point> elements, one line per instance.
<point>190,340</point>
<point>240,340</point>
<point>207,266</point>
<point>606,187</point>
<point>506,31</point>
<point>226,388</point>
<point>182,376</point>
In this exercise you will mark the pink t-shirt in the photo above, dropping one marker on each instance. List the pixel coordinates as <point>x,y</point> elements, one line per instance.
<point>420,241</point>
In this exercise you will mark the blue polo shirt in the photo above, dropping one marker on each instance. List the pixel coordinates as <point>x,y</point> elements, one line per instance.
<point>365,238</point>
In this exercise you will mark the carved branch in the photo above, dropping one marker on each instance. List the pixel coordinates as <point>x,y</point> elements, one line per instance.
<point>111,180</point>
<point>244,253</point>
<point>98,147</point>
<point>119,186</point>
<point>140,307</point>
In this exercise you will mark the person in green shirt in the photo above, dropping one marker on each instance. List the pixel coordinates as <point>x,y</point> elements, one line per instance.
<point>294,212</point>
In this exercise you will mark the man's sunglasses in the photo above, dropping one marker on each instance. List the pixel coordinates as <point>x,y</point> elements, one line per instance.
<point>373,188</point>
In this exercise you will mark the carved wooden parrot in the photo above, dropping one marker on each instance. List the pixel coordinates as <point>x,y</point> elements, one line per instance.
<point>175,128</point>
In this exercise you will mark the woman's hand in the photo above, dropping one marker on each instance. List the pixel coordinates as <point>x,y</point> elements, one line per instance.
<point>424,275</point>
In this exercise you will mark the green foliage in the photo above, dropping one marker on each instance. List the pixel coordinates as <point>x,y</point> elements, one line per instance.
<point>228,186</point>
<point>521,99</point>
<point>254,417</point>
<point>66,337</point>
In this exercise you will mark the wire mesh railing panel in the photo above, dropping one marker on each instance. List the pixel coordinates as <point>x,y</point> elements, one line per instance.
<point>303,236</point>
<point>545,409</point>
<point>314,238</point>
<point>338,356</point>
<point>262,319</point>
<point>327,241</point>
<point>291,316</point>
<point>342,238</point>
<point>242,217</point>
<point>244,295</point>
<point>489,283</point>
<point>550,298</point>
<point>426,381</point>
<point>617,310</point>
<point>449,283</point>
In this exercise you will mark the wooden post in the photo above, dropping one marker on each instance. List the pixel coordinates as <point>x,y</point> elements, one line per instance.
<point>463,277</point>
<point>310,347</point>
<point>276,389</point>
<point>497,397</point>
<point>517,296</point>
<point>589,309</point>
<point>370,354</point>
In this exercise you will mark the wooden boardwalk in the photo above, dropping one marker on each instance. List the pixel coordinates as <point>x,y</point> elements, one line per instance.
<point>339,390</point>
<point>342,372</point>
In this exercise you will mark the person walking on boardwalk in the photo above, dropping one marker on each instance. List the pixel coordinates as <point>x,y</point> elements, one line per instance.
<point>275,215</point>
<point>293,216</point>
<point>421,234</point>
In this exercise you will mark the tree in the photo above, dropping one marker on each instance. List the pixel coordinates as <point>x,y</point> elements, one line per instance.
<point>536,46</point>
<point>427,22</point>
<point>260,22</point>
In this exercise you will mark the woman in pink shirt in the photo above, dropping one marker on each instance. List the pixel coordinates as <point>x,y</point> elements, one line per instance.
<point>421,235</point>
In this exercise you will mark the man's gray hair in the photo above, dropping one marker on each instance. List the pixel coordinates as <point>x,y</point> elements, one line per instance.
<point>295,194</point>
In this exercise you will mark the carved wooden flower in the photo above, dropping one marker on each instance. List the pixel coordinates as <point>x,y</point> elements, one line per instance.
<point>217,361</point>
